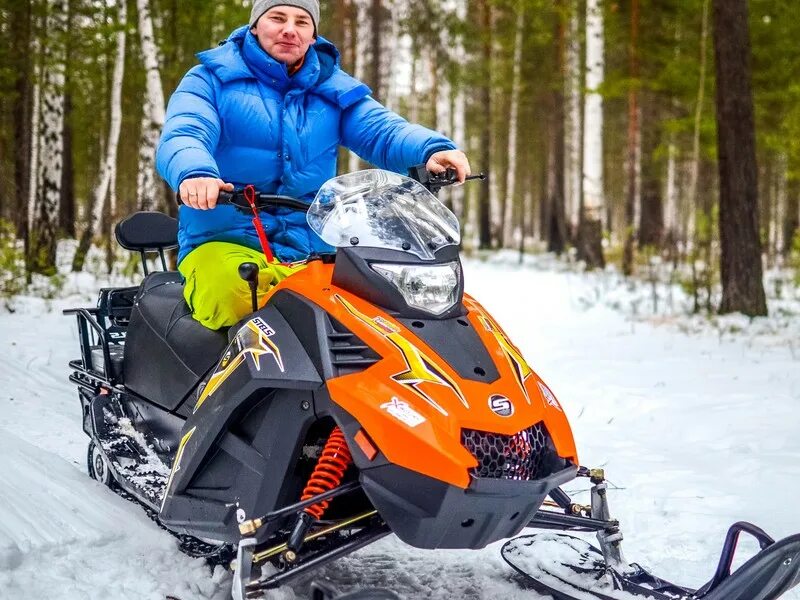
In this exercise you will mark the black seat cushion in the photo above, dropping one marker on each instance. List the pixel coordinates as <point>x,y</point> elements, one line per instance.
<point>166,351</point>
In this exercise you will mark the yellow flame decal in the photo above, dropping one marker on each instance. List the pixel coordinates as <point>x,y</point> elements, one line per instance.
<point>176,466</point>
<point>521,369</point>
<point>421,369</point>
<point>267,346</point>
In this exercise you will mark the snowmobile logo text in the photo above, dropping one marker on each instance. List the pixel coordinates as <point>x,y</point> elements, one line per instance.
<point>265,329</point>
<point>403,412</point>
<point>501,405</point>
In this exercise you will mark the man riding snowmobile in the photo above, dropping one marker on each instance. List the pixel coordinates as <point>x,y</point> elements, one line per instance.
<point>269,108</point>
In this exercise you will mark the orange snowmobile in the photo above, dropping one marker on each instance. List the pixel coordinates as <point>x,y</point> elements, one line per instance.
<point>365,395</point>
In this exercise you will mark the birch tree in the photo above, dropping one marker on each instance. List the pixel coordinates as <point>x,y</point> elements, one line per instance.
<point>573,126</point>
<point>590,232</point>
<point>108,168</point>
<point>147,181</point>
<point>50,147</point>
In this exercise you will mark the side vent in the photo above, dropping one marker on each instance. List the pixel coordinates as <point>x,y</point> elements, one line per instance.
<point>347,352</point>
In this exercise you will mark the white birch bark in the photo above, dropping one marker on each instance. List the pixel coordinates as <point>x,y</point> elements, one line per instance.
<point>511,174</point>
<point>573,125</point>
<point>779,211</point>
<point>593,199</point>
<point>153,115</point>
<point>671,208</point>
<point>50,147</point>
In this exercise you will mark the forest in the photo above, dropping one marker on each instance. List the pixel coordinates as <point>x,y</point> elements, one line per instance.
<point>630,133</point>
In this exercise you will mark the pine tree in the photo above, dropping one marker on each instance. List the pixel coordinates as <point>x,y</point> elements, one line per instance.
<point>740,261</point>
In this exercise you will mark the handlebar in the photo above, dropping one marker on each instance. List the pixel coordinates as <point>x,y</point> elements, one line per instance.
<point>262,200</point>
<point>433,182</point>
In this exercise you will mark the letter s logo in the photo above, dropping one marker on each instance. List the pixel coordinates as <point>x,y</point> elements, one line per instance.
<point>501,405</point>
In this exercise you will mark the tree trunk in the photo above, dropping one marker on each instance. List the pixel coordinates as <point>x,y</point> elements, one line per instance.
<point>651,214</point>
<point>108,168</point>
<point>66,216</point>
<point>147,188</point>
<point>513,116</point>
<point>23,103</point>
<point>44,232</point>
<point>458,112</point>
<point>740,259</point>
<point>671,219</point>
<point>556,226</point>
<point>694,173</point>
<point>590,231</point>
<point>573,125</point>
<point>634,147</point>
<point>485,106</point>
<point>791,225</point>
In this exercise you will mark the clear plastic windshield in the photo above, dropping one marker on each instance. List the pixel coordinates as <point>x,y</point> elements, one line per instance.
<point>380,209</point>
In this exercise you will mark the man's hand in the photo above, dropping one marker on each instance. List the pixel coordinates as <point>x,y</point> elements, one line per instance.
<point>449,159</point>
<point>202,192</point>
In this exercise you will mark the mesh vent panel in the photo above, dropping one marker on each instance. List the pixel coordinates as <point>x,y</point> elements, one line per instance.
<point>521,456</point>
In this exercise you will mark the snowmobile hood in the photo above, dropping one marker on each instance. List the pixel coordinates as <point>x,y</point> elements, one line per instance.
<point>442,390</point>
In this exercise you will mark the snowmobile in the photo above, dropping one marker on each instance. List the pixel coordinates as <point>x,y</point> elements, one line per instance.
<point>367,394</point>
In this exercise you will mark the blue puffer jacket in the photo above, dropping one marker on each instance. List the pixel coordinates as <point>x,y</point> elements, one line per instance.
<point>239,116</point>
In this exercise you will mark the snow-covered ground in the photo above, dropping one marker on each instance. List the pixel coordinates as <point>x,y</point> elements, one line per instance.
<point>696,424</point>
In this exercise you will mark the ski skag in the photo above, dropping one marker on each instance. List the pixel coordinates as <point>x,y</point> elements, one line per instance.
<point>569,568</point>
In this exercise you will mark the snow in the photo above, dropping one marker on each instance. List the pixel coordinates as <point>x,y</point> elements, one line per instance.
<point>695,421</point>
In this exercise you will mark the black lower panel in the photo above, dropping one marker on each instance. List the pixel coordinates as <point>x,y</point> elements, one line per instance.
<point>427,513</point>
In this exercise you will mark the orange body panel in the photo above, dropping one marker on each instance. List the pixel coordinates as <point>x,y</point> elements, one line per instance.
<point>411,403</point>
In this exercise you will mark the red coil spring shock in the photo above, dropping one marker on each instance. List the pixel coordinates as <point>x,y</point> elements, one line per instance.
<point>329,471</point>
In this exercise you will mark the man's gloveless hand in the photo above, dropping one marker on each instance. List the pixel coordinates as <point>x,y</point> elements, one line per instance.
<point>202,192</point>
<point>439,162</point>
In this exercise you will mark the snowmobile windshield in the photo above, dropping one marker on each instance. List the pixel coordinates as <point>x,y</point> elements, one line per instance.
<point>380,209</point>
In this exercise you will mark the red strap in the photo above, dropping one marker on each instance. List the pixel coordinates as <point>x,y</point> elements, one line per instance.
<point>250,196</point>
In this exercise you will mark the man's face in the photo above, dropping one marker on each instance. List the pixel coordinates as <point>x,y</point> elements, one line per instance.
<point>285,33</point>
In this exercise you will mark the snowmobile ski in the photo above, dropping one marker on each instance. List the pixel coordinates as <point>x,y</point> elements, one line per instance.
<point>569,568</point>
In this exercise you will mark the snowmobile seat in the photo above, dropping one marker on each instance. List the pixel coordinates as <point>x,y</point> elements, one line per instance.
<point>167,352</point>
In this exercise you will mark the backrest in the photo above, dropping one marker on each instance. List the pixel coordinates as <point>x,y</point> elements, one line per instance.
<point>148,231</point>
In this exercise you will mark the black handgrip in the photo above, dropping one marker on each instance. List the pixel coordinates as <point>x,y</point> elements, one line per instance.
<point>436,181</point>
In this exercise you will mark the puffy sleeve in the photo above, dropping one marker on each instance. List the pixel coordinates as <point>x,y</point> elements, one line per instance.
<point>386,139</point>
<point>191,130</point>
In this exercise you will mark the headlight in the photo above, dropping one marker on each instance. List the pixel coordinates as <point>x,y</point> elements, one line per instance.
<point>432,288</point>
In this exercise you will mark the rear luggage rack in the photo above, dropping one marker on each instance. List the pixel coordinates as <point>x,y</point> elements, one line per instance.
<point>101,332</point>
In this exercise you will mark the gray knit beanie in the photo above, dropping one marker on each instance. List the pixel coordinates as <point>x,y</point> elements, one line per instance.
<point>262,6</point>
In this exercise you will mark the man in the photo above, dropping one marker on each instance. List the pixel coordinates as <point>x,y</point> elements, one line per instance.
<point>270,107</point>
